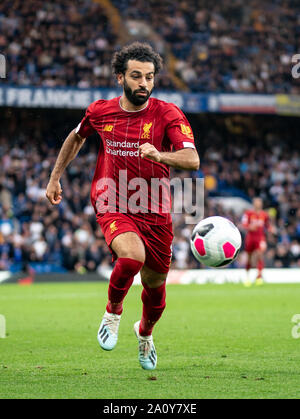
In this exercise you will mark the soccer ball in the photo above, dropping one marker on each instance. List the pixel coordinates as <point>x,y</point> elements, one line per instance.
<point>216,242</point>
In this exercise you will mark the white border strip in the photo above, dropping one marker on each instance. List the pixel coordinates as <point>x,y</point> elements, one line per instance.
<point>4,276</point>
<point>223,276</point>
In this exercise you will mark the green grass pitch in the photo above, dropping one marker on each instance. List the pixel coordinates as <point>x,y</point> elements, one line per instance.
<point>213,341</point>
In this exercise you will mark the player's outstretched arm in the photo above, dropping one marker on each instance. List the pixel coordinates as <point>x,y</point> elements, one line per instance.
<point>186,159</point>
<point>68,152</point>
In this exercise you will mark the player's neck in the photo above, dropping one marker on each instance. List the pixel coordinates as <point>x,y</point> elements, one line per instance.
<point>126,105</point>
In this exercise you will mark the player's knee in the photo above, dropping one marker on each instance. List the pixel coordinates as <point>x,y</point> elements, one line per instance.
<point>154,283</point>
<point>152,279</point>
<point>135,255</point>
<point>130,252</point>
<point>129,245</point>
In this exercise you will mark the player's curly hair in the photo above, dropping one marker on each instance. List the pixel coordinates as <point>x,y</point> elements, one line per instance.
<point>136,51</point>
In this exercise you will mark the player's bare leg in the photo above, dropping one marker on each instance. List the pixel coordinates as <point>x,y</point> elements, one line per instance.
<point>154,302</point>
<point>248,281</point>
<point>260,263</point>
<point>131,256</point>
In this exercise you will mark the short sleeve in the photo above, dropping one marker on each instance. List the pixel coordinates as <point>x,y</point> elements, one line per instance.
<point>178,129</point>
<point>85,128</point>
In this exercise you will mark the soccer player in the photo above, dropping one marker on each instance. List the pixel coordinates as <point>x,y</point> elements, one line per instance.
<point>140,138</point>
<point>256,221</point>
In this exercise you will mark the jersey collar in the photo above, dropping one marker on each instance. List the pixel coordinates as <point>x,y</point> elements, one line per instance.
<point>133,112</point>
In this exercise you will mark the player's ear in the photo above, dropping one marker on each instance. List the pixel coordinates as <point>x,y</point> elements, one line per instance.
<point>120,79</point>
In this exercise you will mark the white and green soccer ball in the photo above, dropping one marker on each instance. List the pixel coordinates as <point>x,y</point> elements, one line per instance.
<point>216,242</point>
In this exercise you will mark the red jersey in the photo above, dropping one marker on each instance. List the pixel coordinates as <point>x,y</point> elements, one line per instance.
<point>258,220</point>
<point>121,176</point>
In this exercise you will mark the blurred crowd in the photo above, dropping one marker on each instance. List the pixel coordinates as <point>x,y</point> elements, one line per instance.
<point>58,43</point>
<point>240,156</point>
<point>228,46</point>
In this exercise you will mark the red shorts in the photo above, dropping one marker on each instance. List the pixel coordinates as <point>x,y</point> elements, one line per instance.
<point>157,238</point>
<point>255,243</point>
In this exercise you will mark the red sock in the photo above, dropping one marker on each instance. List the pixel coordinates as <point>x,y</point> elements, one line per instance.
<point>154,303</point>
<point>120,281</point>
<point>260,267</point>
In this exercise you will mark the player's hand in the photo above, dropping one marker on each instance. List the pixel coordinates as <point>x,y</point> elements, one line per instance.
<point>54,192</point>
<point>148,151</point>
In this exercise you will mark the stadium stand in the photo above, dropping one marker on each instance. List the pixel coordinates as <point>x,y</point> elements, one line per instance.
<point>59,44</point>
<point>222,47</point>
<point>226,46</point>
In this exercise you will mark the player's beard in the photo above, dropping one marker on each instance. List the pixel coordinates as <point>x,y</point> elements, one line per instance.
<point>133,97</point>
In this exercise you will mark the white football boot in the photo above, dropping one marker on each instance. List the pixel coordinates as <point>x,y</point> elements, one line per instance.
<point>108,331</point>
<point>147,352</point>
